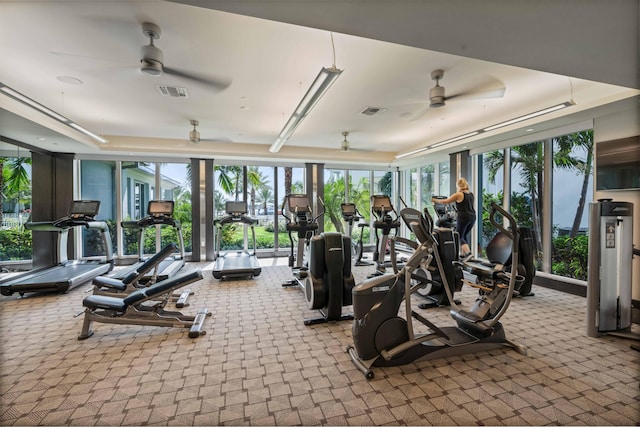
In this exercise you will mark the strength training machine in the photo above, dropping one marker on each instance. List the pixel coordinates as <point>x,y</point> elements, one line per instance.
<point>382,338</point>
<point>144,307</point>
<point>240,263</point>
<point>609,279</point>
<point>66,274</point>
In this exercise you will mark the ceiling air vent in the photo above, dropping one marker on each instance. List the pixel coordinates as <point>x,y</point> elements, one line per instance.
<point>371,111</point>
<point>176,92</point>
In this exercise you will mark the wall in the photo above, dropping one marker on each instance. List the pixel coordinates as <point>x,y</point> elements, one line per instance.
<point>624,123</point>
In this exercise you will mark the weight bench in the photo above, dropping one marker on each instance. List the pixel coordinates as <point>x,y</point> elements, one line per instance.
<point>109,286</point>
<point>132,310</point>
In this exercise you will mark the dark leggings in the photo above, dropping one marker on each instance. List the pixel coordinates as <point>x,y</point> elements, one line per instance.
<point>463,227</point>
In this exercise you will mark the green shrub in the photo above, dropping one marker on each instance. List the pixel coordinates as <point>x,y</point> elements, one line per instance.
<point>15,244</point>
<point>570,256</point>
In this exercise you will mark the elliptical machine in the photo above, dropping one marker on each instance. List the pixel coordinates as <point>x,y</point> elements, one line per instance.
<point>448,244</point>
<point>382,208</point>
<point>351,215</point>
<point>327,280</point>
<point>382,338</point>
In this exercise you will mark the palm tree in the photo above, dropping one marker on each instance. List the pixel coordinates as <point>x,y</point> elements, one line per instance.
<point>384,185</point>
<point>264,196</point>
<point>14,181</point>
<point>529,160</point>
<point>333,197</point>
<point>229,179</point>
<point>256,179</point>
<point>581,140</point>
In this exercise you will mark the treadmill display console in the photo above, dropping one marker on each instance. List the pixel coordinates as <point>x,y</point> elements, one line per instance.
<point>84,208</point>
<point>160,208</point>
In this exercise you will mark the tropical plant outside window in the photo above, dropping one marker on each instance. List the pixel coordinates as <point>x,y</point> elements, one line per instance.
<point>15,206</point>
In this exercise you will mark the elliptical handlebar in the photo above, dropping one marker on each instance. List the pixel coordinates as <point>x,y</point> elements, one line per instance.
<point>513,224</point>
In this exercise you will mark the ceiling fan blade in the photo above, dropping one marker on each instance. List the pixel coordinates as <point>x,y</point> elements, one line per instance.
<point>420,112</point>
<point>489,90</point>
<point>219,84</point>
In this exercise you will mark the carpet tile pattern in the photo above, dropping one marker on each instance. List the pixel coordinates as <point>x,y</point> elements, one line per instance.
<point>258,364</point>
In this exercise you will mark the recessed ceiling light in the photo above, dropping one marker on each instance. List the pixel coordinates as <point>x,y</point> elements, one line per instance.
<point>69,80</point>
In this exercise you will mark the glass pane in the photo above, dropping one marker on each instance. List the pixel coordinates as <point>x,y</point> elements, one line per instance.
<point>261,204</point>
<point>138,180</point>
<point>492,187</point>
<point>15,201</point>
<point>444,180</point>
<point>572,193</point>
<point>427,181</point>
<point>175,184</point>
<point>527,164</point>
<point>97,182</point>
<point>290,181</point>
<point>360,195</point>
<point>334,195</point>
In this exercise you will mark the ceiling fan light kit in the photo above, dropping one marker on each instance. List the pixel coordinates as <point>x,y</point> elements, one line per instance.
<point>152,57</point>
<point>320,85</point>
<point>194,135</point>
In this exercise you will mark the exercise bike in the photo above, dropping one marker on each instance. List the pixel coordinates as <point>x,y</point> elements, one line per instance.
<point>382,338</point>
<point>351,215</point>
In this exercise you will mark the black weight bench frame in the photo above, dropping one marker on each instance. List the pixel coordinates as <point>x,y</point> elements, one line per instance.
<point>131,309</point>
<point>105,285</point>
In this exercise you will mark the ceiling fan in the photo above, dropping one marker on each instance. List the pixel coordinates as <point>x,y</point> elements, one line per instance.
<point>492,88</point>
<point>437,97</point>
<point>346,145</point>
<point>152,61</point>
<point>194,135</point>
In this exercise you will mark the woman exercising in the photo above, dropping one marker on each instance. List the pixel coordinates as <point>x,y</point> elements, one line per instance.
<point>466,214</point>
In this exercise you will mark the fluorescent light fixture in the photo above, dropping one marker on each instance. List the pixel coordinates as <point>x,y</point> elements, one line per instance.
<point>411,153</point>
<point>41,108</point>
<point>457,138</point>
<point>530,116</point>
<point>86,132</point>
<point>320,85</point>
<point>33,104</point>
<point>490,128</point>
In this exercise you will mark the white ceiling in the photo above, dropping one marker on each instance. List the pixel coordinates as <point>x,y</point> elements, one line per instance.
<point>270,66</point>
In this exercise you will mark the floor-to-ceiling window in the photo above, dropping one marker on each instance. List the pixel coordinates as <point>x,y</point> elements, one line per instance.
<point>15,203</point>
<point>334,196</point>
<point>572,193</point>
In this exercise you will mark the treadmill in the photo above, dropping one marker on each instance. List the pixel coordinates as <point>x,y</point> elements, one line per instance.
<point>241,263</point>
<point>66,274</point>
<point>159,212</point>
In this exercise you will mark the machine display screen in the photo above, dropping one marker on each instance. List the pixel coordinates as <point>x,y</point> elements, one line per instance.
<point>299,202</point>
<point>348,208</point>
<point>160,207</point>
<point>237,208</point>
<point>380,203</point>
<point>85,208</point>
